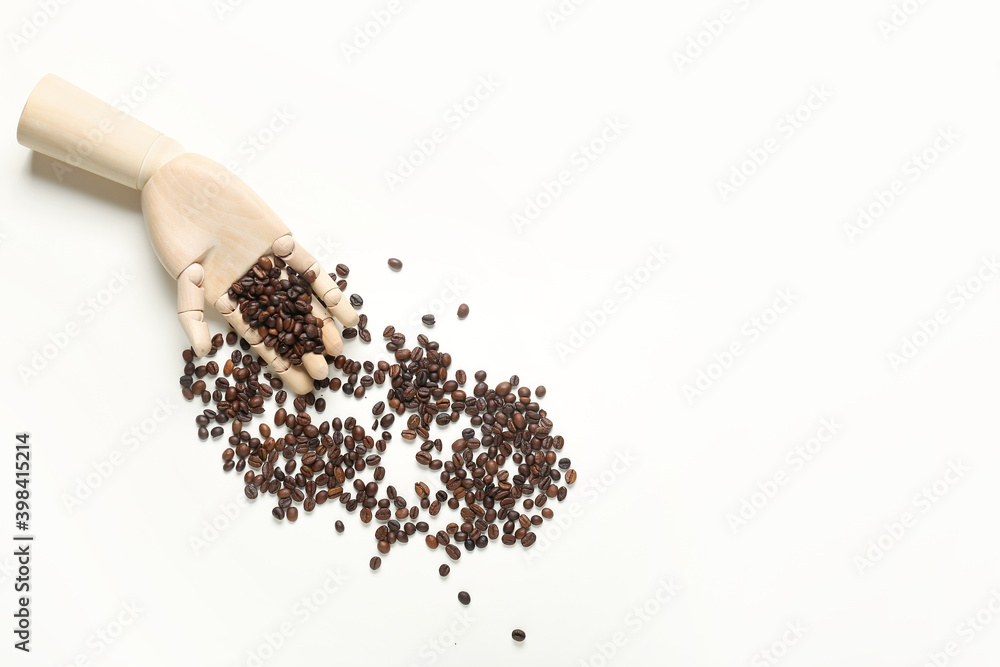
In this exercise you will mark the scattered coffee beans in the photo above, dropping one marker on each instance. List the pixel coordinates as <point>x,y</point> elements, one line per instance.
<point>495,479</point>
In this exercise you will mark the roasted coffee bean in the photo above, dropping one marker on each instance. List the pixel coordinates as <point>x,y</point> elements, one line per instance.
<point>339,526</point>
<point>464,597</point>
<point>428,320</point>
<point>453,552</point>
<point>395,264</point>
<point>375,563</point>
<point>444,570</point>
<point>292,514</point>
<point>518,635</point>
<point>463,311</point>
<point>343,270</point>
<point>570,476</point>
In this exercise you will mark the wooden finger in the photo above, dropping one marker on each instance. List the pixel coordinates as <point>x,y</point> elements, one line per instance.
<point>296,379</point>
<point>191,309</point>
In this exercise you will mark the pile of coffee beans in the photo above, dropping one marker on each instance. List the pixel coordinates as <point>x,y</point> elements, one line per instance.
<point>277,302</point>
<point>500,475</point>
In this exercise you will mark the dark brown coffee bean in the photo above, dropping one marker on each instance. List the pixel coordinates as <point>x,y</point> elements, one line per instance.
<point>428,320</point>
<point>342,270</point>
<point>444,570</point>
<point>375,563</point>
<point>517,635</point>
<point>395,264</point>
<point>464,597</point>
<point>463,311</point>
<point>453,552</point>
<point>251,491</point>
<point>292,514</point>
<point>383,547</point>
<point>339,526</point>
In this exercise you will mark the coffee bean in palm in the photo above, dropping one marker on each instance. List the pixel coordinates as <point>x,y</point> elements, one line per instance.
<point>518,635</point>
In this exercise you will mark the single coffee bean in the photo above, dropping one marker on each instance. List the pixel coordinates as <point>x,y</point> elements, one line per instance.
<point>464,597</point>
<point>428,320</point>
<point>342,270</point>
<point>463,311</point>
<point>339,526</point>
<point>357,301</point>
<point>395,264</point>
<point>570,476</point>
<point>453,552</point>
<point>375,563</point>
<point>292,514</point>
<point>540,391</point>
<point>444,570</point>
<point>517,635</point>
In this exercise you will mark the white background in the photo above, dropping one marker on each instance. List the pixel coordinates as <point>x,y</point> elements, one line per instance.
<point>816,555</point>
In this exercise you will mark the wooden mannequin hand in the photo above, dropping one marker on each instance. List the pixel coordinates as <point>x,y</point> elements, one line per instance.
<point>208,227</point>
